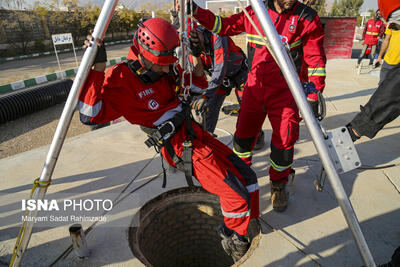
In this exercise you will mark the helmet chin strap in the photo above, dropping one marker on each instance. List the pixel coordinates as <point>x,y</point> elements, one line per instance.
<point>143,63</point>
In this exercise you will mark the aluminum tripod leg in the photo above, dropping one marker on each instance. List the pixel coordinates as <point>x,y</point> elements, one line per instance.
<point>293,81</point>
<point>63,125</point>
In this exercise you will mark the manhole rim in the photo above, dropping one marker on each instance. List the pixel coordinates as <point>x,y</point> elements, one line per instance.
<point>171,196</point>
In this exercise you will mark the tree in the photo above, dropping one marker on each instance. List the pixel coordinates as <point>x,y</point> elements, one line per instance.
<point>89,15</point>
<point>42,13</point>
<point>346,8</point>
<point>128,20</point>
<point>320,7</point>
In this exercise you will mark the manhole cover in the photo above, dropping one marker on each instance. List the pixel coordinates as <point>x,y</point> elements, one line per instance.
<point>178,228</point>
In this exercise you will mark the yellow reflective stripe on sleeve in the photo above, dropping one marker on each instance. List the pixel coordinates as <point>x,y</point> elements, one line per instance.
<point>257,39</point>
<point>278,167</point>
<point>242,155</point>
<point>316,72</point>
<point>261,40</point>
<point>217,25</point>
<point>295,44</point>
<point>372,33</point>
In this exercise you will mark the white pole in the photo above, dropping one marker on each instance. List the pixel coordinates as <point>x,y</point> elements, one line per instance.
<point>58,60</point>
<point>292,79</point>
<point>63,125</point>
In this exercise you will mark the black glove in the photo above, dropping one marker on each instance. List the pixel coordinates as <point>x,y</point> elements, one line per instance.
<point>101,55</point>
<point>195,45</point>
<point>158,136</point>
<point>314,107</point>
<point>188,7</point>
<point>199,104</point>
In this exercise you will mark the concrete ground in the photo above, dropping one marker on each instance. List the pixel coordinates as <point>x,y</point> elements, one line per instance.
<point>113,163</point>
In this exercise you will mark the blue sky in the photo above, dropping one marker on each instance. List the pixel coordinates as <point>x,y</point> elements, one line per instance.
<point>369,4</point>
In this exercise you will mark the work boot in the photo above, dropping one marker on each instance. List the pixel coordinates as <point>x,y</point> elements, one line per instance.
<point>279,197</point>
<point>232,244</point>
<point>260,143</point>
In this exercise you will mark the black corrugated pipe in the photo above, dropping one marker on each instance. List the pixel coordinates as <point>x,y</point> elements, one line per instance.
<point>26,101</point>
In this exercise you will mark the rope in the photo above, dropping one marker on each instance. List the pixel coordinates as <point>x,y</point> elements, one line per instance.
<point>265,39</point>
<point>227,133</point>
<point>36,184</point>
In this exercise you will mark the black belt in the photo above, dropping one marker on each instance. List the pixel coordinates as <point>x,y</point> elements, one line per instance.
<point>161,137</point>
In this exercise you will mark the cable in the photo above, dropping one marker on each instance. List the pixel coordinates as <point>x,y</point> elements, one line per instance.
<point>265,40</point>
<point>228,133</point>
<point>368,167</point>
<point>70,248</point>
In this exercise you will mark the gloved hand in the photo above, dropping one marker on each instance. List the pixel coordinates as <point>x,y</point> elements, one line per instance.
<point>188,10</point>
<point>101,55</point>
<point>199,104</point>
<point>195,44</point>
<point>309,89</point>
<point>158,136</point>
<point>314,107</point>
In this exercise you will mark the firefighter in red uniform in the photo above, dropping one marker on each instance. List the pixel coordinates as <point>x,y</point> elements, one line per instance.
<point>266,91</point>
<point>143,90</point>
<point>373,31</point>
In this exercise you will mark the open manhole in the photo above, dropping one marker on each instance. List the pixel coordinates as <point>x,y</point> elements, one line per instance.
<point>179,228</point>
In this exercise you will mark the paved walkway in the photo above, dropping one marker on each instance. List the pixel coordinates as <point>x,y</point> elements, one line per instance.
<point>113,161</point>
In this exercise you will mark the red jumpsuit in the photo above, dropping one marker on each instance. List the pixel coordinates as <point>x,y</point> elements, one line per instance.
<point>266,91</point>
<point>373,30</point>
<point>119,92</point>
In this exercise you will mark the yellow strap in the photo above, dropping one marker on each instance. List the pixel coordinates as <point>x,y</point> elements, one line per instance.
<point>36,184</point>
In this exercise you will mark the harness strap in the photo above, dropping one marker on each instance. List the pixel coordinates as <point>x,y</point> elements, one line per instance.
<point>187,146</point>
<point>187,162</point>
<point>162,137</point>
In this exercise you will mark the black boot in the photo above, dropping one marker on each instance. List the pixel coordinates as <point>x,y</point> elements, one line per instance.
<point>233,244</point>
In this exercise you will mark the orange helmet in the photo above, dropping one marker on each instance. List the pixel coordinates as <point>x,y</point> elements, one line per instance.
<point>156,40</point>
<point>386,7</point>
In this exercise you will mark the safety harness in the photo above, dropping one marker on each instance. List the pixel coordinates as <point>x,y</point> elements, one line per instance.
<point>161,136</point>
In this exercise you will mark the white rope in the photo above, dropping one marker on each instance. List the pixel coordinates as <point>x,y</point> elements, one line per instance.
<point>265,39</point>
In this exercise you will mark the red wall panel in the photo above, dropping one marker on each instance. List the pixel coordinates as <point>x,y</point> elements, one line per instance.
<point>339,35</point>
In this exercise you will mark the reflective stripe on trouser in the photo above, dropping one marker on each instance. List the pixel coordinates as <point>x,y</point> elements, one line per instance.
<point>279,105</point>
<point>243,148</point>
<point>222,173</point>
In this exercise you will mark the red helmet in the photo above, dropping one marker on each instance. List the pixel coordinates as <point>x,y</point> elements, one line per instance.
<point>156,40</point>
<point>386,7</point>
